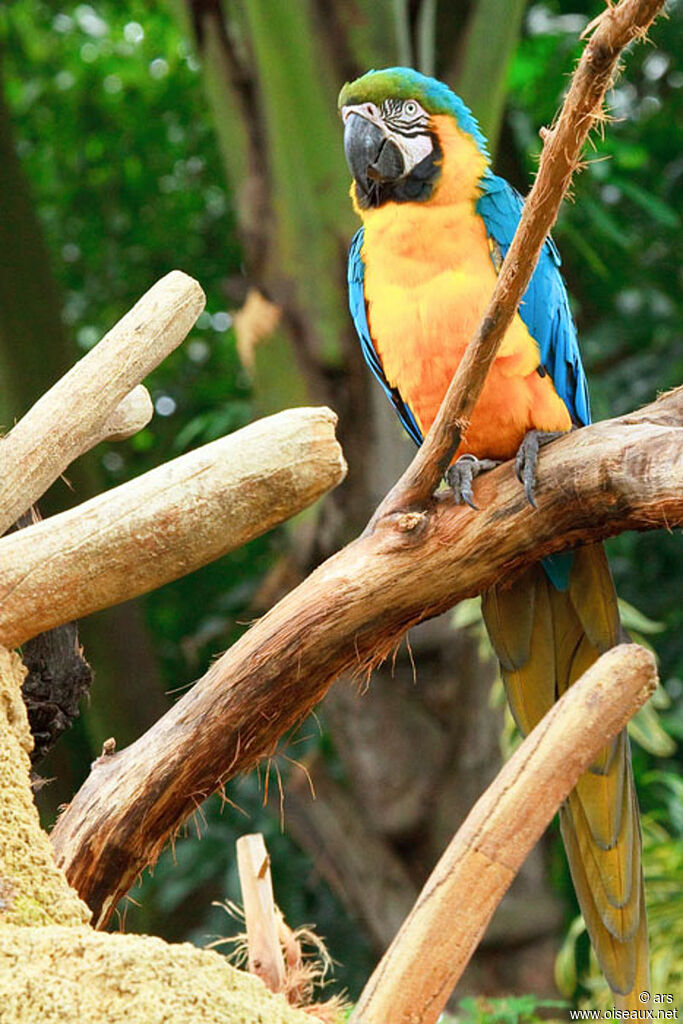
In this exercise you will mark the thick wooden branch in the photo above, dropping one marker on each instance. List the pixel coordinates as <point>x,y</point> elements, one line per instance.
<point>351,612</point>
<point>417,974</point>
<point>166,523</point>
<point>92,402</point>
<point>613,30</point>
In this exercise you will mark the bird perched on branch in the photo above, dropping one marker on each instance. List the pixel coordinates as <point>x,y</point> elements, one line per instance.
<point>437,223</point>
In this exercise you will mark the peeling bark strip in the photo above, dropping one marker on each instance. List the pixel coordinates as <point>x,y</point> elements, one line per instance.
<point>99,397</point>
<point>417,974</point>
<point>167,522</point>
<point>616,27</point>
<point>348,614</point>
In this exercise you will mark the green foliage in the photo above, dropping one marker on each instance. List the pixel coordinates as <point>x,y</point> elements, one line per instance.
<point>113,134</point>
<point>513,1010</point>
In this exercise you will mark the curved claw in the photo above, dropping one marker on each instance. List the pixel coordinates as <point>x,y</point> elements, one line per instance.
<point>461,474</point>
<point>526,460</point>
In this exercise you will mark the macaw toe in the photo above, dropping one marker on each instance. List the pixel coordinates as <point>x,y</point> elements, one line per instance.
<point>460,475</point>
<point>526,461</point>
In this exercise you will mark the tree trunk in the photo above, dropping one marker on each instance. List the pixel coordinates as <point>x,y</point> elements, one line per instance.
<point>34,346</point>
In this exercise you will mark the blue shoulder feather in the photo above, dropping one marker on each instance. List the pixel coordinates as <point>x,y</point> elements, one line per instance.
<point>356,277</point>
<point>545,306</point>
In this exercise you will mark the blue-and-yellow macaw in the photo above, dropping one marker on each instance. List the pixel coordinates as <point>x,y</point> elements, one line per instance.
<point>436,225</point>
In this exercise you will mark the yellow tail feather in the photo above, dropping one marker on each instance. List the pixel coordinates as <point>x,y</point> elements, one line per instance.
<point>545,639</point>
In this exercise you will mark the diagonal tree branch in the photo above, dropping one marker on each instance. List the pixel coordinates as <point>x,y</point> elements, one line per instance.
<point>349,614</point>
<point>582,108</point>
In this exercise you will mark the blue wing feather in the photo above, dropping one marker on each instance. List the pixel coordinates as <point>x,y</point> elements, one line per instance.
<point>356,276</point>
<point>545,306</point>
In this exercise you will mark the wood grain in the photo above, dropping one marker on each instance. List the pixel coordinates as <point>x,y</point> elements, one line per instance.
<point>265,952</point>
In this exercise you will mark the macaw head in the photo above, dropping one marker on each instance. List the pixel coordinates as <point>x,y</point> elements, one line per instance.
<point>400,129</point>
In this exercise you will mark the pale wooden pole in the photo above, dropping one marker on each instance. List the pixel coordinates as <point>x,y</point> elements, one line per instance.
<point>131,414</point>
<point>167,522</point>
<point>417,974</point>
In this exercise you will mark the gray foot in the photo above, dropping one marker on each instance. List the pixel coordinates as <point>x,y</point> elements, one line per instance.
<point>460,475</point>
<point>527,459</point>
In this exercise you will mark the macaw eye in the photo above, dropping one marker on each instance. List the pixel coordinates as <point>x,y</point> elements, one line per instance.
<point>410,108</point>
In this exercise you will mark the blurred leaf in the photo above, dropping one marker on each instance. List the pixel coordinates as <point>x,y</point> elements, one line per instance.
<point>646,729</point>
<point>613,230</point>
<point>565,961</point>
<point>634,619</point>
<point>660,212</point>
<point>511,1010</point>
<point>467,613</point>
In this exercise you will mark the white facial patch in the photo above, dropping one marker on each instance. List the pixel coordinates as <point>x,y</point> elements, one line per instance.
<point>413,149</point>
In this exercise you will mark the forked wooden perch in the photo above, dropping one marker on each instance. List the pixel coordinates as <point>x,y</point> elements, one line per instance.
<point>98,398</point>
<point>417,974</point>
<point>345,617</point>
<point>617,26</point>
<point>167,522</point>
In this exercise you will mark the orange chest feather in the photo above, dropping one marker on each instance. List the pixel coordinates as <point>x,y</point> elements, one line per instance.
<point>428,278</point>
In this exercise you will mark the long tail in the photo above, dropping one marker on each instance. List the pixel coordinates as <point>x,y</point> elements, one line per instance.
<point>545,639</point>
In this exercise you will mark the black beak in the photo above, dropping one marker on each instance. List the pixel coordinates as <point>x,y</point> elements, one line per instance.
<point>371,156</point>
